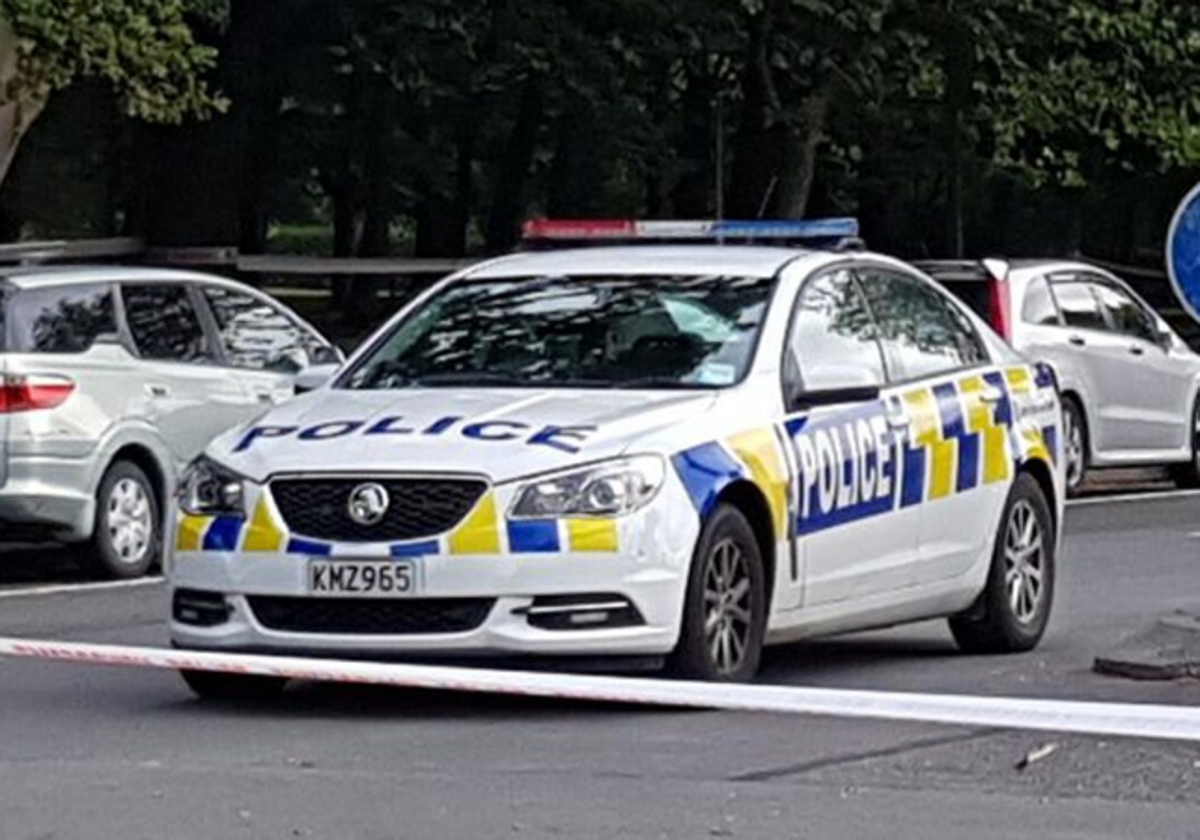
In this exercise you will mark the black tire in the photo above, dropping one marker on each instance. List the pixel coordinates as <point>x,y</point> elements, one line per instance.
<point>995,624</point>
<point>1187,476</point>
<point>741,615</point>
<point>1074,421</point>
<point>126,554</point>
<point>221,687</point>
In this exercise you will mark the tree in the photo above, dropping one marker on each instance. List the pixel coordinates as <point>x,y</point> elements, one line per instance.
<point>143,49</point>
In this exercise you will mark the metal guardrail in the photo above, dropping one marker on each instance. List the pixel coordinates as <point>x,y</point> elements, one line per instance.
<point>24,253</point>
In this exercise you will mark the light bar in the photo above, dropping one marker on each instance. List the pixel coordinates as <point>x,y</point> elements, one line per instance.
<point>813,229</point>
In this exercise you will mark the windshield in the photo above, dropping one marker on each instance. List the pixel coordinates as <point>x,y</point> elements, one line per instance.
<point>615,332</point>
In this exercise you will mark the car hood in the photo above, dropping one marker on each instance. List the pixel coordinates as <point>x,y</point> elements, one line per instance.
<point>501,433</point>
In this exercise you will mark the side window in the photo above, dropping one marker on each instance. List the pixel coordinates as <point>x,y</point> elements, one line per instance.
<point>833,341</point>
<point>1039,307</point>
<point>922,332</point>
<point>1124,313</point>
<point>1079,306</point>
<point>60,319</point>
<point>257,335</point>
<point>164,324</point>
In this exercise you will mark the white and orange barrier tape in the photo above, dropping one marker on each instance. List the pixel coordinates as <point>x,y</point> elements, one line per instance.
<point>1110,719</point>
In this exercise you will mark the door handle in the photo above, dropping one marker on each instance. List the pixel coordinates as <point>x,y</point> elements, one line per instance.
<point>264,396</point>
<point>1137,351</point>
<point>991,395</point>
<point>156,390</point>
<point>899,421</point>
<point>1077,340</point>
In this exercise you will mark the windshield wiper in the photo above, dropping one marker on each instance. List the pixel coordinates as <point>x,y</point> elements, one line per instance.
<point>435,380</point>
<point>668,382</point>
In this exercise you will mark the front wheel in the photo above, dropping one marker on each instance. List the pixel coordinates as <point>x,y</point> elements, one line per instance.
<point>128,530</point>
<point>1187,475</point>
<point>1011,614</point>
<point>724,615</point>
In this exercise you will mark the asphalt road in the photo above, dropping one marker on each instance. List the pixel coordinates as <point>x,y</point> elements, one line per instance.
<point>90,752</point>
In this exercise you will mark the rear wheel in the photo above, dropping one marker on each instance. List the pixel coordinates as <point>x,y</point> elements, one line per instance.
<point>211,685</point>
<point>725,612</point>
<point>1011,614</point>
<point>128,530</point>
<point>1187,475</point>
<point>1074,444</point>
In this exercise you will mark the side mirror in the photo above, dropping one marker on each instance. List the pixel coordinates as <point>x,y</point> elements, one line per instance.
<point>312,378</point>
<point>835,396</point>
<point>834,385</point>
<point>326,354</point>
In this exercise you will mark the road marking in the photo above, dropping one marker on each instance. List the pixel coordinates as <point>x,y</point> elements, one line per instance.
<point>69,588</point>
<point>1134,497</point>
<point>1179,723</point>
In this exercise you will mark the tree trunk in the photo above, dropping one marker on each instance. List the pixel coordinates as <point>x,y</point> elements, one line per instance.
<point>16,115</point>
<point>508,203</point>
<point>754,170</point>
<point>798,158</point>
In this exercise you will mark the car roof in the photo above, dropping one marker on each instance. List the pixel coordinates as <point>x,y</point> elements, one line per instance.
<point>664,260</point>
<point>27,277</point>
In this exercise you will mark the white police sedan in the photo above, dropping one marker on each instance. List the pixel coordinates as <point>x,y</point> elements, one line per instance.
<point>668,453</point>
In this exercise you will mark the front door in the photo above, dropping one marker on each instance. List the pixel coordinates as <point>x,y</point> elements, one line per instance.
<point>853,537</point>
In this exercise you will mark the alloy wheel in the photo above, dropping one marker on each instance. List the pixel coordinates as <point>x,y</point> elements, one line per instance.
<point>1024,562</point>
<point>1073,444</point>
<point>727,606</point>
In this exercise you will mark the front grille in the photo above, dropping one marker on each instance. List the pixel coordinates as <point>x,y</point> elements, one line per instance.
<point>370,617</point>
<point>420,507</point>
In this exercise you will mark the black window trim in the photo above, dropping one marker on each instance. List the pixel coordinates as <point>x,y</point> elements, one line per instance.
<point>947,300</point>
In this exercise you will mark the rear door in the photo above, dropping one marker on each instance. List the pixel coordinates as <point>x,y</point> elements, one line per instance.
<point>955,447</point>
<point>853,539</point>
<point>182,387</point>
<point>264,345</point>
<point>1086,343</point>
<point>1157,389</point>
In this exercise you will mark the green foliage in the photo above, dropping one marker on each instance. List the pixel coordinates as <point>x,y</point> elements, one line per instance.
<point>144,49</point>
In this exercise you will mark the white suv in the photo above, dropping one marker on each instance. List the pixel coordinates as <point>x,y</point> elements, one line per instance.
<point>111,378</point>
<point>1129,382</point>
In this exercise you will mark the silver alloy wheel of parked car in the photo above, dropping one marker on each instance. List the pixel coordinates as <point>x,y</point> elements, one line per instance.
<point>129,521</point>
<point>1073,446</point>
<point>1023,555</point>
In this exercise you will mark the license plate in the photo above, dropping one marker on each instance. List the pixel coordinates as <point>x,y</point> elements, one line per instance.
<point>364,578</point>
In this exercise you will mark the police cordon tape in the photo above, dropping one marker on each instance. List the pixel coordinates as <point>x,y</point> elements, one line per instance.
<point>1113,719</point>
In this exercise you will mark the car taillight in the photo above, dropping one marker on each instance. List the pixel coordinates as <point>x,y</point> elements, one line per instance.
<point>33,393</point>
<point>1000,308</point>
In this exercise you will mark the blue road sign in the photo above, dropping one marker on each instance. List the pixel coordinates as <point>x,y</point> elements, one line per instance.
<point>1183,253</point>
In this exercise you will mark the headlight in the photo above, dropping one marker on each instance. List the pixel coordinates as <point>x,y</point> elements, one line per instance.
<point>209,489</point>
<point>614,488</point>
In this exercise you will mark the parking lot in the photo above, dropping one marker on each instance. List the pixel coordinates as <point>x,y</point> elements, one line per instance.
<point>133,751</point>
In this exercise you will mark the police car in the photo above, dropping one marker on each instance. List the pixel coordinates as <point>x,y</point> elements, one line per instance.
<point>669,452</point>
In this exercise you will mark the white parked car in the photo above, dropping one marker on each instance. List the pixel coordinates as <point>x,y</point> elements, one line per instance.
<point>673,452</point>
<point>1131,386</point>
<point>112,379</point>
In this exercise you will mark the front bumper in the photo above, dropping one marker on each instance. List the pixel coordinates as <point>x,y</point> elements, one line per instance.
<point>647,564</point>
